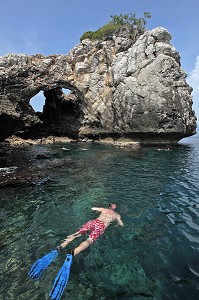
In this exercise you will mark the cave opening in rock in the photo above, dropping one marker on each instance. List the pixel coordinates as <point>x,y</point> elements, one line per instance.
<point>37,102</point>
<point>62,113</point>
<point>66,91</point>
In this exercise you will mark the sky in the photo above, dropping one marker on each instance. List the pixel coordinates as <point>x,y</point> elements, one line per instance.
<point>55,26</point>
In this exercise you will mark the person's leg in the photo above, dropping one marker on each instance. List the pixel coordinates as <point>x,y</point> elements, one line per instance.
<point>97,229</point>
<point>82,246</point>
<point>69,239</point>
<point>82,231</point>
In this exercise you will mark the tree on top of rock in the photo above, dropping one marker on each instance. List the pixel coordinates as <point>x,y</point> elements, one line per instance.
<point>136,27</point>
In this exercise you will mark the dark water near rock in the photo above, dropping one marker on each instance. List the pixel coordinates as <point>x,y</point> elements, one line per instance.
<point>156,254</point>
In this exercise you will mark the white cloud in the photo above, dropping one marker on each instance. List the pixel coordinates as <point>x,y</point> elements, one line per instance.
<point>194,76</point>
<point>193,80</point>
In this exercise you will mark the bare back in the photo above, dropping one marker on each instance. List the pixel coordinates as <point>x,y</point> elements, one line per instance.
<point>107,216</point>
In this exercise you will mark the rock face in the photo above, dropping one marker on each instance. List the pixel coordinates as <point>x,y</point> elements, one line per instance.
<point>119,88</point>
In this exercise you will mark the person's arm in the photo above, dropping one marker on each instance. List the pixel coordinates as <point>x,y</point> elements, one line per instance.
<point>119,220</point>
<point>97,208</point>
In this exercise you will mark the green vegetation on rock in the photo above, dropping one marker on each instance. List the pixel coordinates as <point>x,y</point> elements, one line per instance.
<point>136,26</point>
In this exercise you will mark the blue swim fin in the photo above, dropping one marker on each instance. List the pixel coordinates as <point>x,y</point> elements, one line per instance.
<point>61,279</point>
<point>41,264</point>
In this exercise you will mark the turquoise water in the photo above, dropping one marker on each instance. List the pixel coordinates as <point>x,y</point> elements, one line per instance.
<point>154,256</point>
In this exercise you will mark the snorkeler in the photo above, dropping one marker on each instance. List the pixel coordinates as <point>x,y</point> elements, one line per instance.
<point>95,227</point>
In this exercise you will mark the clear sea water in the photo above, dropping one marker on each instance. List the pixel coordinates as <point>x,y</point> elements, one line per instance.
<point>154,256</point>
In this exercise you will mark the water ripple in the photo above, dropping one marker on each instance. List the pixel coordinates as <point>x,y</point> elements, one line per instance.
<point>157,195</point>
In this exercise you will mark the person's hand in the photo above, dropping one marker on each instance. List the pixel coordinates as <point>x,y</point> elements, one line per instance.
<point>93,208</point>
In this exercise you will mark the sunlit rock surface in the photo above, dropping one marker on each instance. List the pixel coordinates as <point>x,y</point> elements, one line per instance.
<point>119,88</point>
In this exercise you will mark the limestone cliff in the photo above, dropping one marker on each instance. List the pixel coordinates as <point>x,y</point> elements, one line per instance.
<point>119,88</point>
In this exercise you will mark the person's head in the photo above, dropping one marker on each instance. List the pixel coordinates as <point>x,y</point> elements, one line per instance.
<point>112,206</point>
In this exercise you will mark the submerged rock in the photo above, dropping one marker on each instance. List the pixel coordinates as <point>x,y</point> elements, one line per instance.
<point>19,177</point>
<point>117,273</point>
<point>119,88</point>
<point>30,165</point>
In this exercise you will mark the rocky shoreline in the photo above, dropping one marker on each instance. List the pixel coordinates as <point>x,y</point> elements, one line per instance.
<point>123,92</point>
<point>136,141</point>
<point>26,161</point>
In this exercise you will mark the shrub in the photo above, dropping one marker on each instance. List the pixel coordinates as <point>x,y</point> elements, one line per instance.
<point>136,25</point>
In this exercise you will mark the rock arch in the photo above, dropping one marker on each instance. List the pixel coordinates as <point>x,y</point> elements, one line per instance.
<point>119,88</point>
<point>63,113</point>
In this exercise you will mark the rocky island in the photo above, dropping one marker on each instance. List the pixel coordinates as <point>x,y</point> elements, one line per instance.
<point>121,89</point>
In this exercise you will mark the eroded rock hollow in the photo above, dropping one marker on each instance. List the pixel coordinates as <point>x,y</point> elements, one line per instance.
<point>119,88</point>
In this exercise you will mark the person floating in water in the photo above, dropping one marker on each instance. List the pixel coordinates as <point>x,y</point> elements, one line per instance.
<point>95,227</point>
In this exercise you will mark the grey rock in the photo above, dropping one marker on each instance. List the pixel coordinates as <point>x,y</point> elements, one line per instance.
<point>119,87</point>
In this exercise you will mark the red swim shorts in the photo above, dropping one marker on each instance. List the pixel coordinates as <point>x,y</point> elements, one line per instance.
<point>96,228</point>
